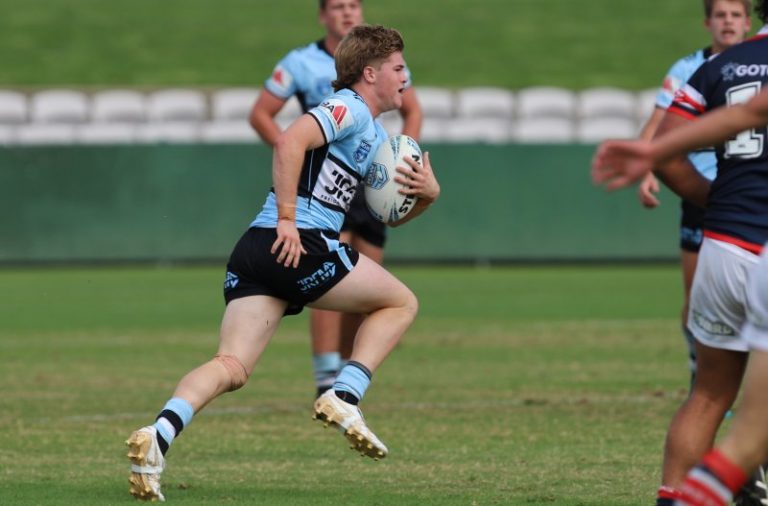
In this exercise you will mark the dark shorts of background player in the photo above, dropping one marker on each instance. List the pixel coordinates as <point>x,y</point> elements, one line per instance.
<point>691,227</point>
<point>253,270</point>
<point>361,222</point>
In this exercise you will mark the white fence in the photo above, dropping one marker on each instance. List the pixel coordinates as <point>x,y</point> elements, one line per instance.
<point>480,114</point>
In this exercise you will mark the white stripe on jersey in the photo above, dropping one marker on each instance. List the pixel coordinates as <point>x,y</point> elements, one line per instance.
<point>690,99</point>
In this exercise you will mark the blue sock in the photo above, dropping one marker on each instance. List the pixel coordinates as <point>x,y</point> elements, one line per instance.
<point>326,366</point>
<point>353,379</point>
<point>176,414</point>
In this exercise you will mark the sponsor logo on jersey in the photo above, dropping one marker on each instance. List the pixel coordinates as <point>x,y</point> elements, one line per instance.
<point>362,151</point>
<point>728,71</point>
<point>321,276</point>
<point>732,70</point>
<point>377,176</point>
<point>338,113</point>
<point>335,186</point>
<point>713,327</point>
<point>670,84</point>
<point>231,281</point>
<point>281,78</point>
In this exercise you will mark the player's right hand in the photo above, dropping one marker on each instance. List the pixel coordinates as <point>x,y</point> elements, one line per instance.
<point>647,190</point>
<point>288,243</point>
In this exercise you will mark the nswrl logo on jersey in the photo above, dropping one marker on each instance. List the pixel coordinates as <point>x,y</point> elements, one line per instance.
<point>362,151</point>
<point>317,278</point>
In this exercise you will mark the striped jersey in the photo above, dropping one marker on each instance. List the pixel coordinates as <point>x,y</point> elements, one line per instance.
<point>331,174</point>
<point>704,159</point>
<point>737,207</point>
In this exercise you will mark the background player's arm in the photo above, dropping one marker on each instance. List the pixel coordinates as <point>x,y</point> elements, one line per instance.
<point>649,186</point>
<point>412,114</point>
<point>287,160</point>
<point>262,117</point>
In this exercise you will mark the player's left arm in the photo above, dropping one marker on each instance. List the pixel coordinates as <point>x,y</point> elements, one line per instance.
<point>411,113</point>
<point>420,182</point>
<point>288,157</point>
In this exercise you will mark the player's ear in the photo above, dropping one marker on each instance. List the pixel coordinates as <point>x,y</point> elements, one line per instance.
<point>369,74</point>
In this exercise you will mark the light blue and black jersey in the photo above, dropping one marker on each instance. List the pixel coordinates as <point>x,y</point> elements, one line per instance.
<point>332,173</point>
<point>704,160</point>
<point>306,72</point>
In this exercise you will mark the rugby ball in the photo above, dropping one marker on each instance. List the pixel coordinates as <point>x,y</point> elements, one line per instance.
<point>382,194</point>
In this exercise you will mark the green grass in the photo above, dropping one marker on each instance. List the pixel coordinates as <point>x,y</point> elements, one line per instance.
<point>510,43</point>
<point>515,386</point>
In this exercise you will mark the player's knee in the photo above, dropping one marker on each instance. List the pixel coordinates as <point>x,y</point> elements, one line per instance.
<point>238,375</point>
<point>410,304</point>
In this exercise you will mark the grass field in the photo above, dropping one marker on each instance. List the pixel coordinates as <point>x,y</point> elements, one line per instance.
<point>510,43</point>
<point>544,385</point>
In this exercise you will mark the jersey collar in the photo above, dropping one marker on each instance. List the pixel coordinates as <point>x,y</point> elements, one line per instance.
<point>321,46</point>
<point>763,33</point>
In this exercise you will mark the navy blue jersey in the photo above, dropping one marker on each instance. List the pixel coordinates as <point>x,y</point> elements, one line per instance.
<point>737,208</point>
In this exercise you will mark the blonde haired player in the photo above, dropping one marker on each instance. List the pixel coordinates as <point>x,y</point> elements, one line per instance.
<point>307,73</point>
<point>291,257</point>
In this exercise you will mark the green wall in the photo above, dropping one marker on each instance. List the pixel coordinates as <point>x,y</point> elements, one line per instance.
<point>179,203</point>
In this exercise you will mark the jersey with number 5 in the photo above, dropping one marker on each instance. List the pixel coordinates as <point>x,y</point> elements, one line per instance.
<point>737,208</point>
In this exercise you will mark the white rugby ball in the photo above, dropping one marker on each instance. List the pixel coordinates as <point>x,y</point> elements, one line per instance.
<point>382,194</point>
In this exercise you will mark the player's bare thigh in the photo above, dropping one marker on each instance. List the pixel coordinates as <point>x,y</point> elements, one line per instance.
<point>366,288</point>
<point>247,326</point>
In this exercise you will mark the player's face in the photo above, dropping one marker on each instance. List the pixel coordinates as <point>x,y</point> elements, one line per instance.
<point>340,16</point>
<point>728,24</point>
<point>390,82</point>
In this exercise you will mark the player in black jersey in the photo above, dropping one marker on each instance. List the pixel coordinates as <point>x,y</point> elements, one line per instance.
<point>736,229</point>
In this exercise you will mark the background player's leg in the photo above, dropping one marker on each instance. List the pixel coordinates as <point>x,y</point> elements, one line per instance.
<point>692,431</point>
<point>746,443</point>
<point>688,261</point>
<point>325,331</point>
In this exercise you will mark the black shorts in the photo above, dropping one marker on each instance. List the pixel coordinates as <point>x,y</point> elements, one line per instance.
<point>253,270</point>
<point>691,227</point>
<point>361,222</point>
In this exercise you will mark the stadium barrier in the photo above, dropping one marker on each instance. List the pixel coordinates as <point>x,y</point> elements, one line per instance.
<point>537,114</point>
<point>173,203</point>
